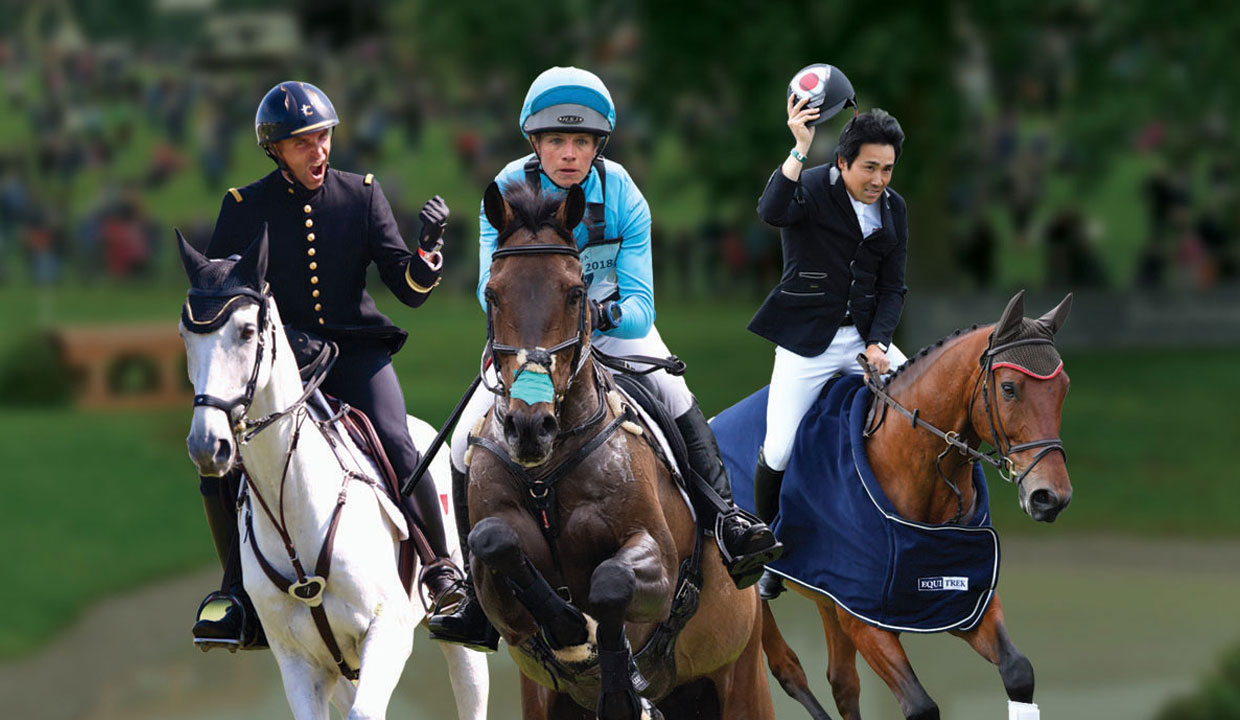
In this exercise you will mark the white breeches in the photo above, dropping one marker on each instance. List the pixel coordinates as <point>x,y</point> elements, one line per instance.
<point>796,382</point>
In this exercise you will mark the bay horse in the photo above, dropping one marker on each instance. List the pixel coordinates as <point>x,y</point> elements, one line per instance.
<point>344,633</point>
<point>585,554</point>
<point>1002,385</point>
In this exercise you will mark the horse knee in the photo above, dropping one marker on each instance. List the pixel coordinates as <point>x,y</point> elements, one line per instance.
<point>611,587</point>
<point>1017,674</point>
<point>495,543</point>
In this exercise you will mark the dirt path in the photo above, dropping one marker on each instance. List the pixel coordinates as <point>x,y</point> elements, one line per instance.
<point>1113,627</point>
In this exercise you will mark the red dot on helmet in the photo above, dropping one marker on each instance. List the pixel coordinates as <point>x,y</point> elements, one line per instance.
<point>808,81</point>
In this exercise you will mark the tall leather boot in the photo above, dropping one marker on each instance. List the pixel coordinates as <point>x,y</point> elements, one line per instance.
<point>465,624</point>
<point>766,485</point>
<point>746,543</point>
<point>440,577</point>
<point>239,627</point>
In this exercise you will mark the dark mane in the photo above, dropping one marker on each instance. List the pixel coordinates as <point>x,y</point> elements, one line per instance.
<point>927,350</point>
<point>532,209</point>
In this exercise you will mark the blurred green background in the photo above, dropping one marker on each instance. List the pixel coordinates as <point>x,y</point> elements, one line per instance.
<point>1081,145</point>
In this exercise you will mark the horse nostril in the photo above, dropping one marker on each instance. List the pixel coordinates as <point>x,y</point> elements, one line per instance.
<point>510,427</point>
<point>1043,499</point>
<point>223,451</point>
<point>548,427</point>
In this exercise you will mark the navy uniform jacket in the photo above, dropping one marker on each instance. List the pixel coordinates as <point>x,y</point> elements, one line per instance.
<point>320,244</point>
<point>829,269</point>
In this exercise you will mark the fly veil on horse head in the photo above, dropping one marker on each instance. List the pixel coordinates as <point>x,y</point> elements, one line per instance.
<point>586,556</point>
<point>309,492</point>
<point>890,528</point>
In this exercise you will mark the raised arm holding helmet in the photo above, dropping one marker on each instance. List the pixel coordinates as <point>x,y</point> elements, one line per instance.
<point>845,240</point>
<point>325,227</point>
<point>568,116</point>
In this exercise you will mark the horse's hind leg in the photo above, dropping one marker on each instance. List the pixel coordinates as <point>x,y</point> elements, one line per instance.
<point>882,650</point>
<point>786,666</point>
<point>990,640</point>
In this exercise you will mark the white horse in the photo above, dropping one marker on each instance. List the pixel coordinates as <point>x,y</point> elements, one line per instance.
<point>244,366</point>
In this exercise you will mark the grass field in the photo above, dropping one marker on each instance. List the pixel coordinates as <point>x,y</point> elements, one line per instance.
<point>98,502</point>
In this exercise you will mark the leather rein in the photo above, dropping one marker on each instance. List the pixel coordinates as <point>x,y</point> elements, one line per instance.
<point>1000,457</point>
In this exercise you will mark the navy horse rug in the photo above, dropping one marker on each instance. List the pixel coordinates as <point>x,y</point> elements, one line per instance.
<point>844,537</point>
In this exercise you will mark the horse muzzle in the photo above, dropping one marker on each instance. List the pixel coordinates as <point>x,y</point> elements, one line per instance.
<point>530,433</point>
<point>212,454</point>
<point>1043,503</point>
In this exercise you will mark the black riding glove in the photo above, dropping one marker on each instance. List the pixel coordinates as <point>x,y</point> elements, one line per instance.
<point>434,217</point>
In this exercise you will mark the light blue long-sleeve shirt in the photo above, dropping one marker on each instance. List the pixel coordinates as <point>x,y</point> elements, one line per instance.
<point>626,268</point>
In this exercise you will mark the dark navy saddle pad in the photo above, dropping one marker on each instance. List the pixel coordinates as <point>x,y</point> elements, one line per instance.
<point>844,538</point>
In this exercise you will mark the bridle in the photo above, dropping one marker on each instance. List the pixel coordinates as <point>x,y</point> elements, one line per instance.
<point>237,407</point>
<point>1001,456</point>
<point>535,357</point>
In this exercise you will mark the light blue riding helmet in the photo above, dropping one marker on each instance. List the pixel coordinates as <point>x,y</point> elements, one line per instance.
<point>568,99</point>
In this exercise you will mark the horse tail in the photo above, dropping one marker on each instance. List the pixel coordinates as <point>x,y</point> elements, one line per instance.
<point>786,666</point>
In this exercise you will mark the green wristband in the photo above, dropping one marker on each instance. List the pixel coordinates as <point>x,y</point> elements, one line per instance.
<point>797,156</point>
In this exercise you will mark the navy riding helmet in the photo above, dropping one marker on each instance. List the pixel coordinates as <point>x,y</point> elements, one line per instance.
<point>827,88</point>
<point>292,108</point>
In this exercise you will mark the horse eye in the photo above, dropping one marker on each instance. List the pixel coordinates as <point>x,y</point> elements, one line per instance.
<point>248,332</point>
<point>1009,390</point>
<point>575,294</point>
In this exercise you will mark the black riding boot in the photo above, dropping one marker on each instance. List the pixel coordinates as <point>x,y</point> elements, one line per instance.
<point>746,543</point>
<point>766,484</point>
<point>466,624</point>
<point>239,627</point>
<point>440,577</point>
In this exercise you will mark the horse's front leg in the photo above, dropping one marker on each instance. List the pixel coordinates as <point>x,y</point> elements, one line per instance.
<point>631,585</point>
<point>886,657</point>
<point>386,646</point>
<point>307,686</point>
<point>990,639</point>
<point>497,547</point>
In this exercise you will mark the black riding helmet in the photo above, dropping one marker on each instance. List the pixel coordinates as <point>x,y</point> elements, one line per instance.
<point>290,109</point>
<point>827,88</point>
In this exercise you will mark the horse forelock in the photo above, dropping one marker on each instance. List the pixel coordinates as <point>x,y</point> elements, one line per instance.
<point>532,209</point>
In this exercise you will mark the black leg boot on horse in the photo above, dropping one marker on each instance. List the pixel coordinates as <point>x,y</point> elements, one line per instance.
<point>465,624</point>
<point>766,485</point>
<point>440,578</point>
<point>239,627</point>
<point>746,542</point>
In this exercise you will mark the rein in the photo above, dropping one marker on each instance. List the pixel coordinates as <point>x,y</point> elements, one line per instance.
<point>999,457</point>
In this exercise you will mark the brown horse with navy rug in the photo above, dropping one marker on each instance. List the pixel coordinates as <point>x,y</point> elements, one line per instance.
<point>884,510</point>
<point>586,556</point>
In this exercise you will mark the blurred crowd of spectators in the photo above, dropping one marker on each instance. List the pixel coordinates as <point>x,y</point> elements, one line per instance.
<point>103,147</point>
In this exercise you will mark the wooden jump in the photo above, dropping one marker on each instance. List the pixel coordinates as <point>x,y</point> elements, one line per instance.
<point>96,352</point>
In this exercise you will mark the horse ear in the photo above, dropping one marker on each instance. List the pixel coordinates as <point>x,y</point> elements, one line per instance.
<point>252,267</point>
<point>1054,319</point>
<point>573,209</point>
<point>192,260</point>
<point>495,207</point>
<point>1012,315</point>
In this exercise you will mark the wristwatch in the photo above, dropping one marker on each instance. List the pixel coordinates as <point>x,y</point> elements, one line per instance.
<point>612,309</point>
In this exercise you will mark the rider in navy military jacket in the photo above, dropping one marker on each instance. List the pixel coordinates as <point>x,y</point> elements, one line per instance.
<point>321,243</point>
<point>829,269</point>
<point>324,229</point>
